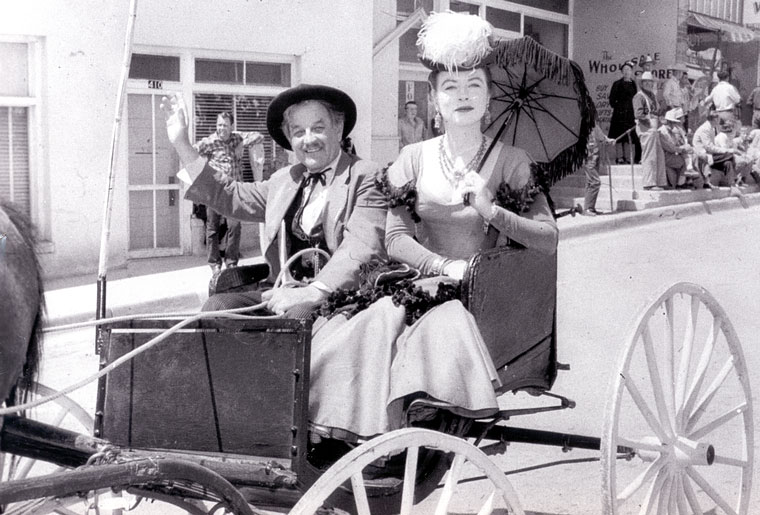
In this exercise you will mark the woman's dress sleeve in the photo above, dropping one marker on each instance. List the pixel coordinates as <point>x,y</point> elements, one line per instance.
<point>522,213</point>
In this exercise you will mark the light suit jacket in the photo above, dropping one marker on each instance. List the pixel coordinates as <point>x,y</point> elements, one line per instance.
<point>353,218</point>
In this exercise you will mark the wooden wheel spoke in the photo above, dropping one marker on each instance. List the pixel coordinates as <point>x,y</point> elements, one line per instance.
<point>718,422</point>
<point>709,394</point>
<point>656,380</point>
<point>688,344</point>
<point>701,371</point>
<point>691,497</point>
<point>487,508</point>
<point>733,462</point>
<point>709,490</point>
<point>410,472</point>
<point>681,501</point>
<point>648,414</point>
<point>640,445</point>
<point>448,488</point>
<point>663,502</point>
<point>641,480</point>
<point>669,365</point>
<point>654,493</point>
<point>360,494</point>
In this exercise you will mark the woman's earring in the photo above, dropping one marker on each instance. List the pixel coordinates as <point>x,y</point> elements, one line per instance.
<point>487,116</point>
<point>437,119</point>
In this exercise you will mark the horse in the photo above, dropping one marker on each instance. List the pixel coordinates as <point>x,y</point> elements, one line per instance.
<point>21,305</point>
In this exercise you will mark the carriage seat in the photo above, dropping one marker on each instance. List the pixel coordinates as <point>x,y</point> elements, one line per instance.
<point>512,295</point>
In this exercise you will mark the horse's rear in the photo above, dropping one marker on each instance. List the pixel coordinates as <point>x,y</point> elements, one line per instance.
<point>21,303</point>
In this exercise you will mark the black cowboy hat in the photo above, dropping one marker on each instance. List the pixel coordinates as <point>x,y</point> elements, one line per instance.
<point>333,96</point>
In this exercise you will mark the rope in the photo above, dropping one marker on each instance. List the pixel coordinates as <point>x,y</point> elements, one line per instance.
<point>282,281</point>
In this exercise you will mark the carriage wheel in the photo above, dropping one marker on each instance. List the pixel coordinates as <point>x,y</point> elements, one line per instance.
<point>468,460</point>
<point>678,435</point>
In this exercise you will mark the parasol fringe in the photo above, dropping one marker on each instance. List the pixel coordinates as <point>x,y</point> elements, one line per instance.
<point>570,159</point>
<point>544,61</point>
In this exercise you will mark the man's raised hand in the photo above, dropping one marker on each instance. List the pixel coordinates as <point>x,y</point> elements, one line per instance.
<point>175,115</point>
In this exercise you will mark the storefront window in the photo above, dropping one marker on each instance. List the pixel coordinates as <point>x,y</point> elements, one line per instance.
<point>550,34</point>
<point>154,67</point>
<point>501,19</point>
<point>407,51</point>
<point>557,6</point>
<point>463,7</point>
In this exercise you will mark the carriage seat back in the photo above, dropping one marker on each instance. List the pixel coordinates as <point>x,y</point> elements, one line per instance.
<point>512,295</point>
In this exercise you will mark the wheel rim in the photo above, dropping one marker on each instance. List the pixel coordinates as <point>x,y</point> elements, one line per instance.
<point>499,494</point>
<point>680,402</point>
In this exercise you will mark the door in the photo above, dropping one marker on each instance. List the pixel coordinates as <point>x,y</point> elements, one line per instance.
<point>154,203</point>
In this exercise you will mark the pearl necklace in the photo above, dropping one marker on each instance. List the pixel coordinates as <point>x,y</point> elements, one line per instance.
<point>456,175</point>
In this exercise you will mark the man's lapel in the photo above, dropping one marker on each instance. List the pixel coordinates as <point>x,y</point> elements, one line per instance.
<point>337,196</point>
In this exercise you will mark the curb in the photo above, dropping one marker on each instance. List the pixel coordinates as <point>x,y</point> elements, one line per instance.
<point>622,220</point>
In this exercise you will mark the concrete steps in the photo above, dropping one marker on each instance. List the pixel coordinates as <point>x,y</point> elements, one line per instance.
<point>569,192</point>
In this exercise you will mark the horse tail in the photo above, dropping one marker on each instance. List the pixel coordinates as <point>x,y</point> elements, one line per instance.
<point>26,380</point>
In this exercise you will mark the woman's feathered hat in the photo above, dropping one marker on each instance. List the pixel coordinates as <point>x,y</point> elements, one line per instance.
<point>455,41</point>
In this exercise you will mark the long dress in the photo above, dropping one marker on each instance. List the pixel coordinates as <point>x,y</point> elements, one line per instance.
<point>652,156</point>
<point>621,101</point>
<point>366,369</point>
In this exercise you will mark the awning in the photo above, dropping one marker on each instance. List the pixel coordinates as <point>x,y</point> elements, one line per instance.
<point>731,32</point>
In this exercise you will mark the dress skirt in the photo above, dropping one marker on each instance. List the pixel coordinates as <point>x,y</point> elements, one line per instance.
<point>652,156</point>
<point>365,369</point>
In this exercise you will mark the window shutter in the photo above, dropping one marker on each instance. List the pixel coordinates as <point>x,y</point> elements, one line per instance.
<point>14,156</point>
<point>250,112</point>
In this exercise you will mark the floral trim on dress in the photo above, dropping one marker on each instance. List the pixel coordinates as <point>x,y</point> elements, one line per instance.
<point>516,200</point>
<point>414,299</point>
<point>405,195</point>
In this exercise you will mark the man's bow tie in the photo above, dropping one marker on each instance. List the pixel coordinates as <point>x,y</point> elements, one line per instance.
<point>314,177</point>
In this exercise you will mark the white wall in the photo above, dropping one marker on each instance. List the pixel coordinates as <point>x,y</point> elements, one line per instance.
<point>609,32</point>
<point>83,48</point>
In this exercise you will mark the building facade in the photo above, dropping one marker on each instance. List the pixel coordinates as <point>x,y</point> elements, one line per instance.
<point>61,69</point>
<point>705,35</point>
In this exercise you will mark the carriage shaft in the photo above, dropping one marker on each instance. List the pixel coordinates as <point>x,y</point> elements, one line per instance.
<point>523,435</point>
<point>37,440</point>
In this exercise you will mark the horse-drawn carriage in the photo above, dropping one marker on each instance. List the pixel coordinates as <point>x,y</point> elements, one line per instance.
<point>217,412</point>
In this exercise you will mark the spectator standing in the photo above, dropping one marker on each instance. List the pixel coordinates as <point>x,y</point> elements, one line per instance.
<point>411,128</point>
<point>753,100</point>
<point>674,146</point>
<point>224,150</point>
<point>672,90</point>
<point>645,109</point>
<point>621,101</point>
<point>724,96</point>
<point>596,141</point>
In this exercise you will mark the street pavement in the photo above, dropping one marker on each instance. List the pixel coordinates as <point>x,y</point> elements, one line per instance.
<point>606,276</point>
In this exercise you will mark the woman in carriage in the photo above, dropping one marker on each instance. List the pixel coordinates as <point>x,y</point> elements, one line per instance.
<point>416,350</point>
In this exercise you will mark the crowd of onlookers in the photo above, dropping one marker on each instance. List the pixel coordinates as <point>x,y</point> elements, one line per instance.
<point>651,122</point>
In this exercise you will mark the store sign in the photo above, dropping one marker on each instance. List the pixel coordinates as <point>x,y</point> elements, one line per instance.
<point>155,84</point>
<point>409,90</point>
<point>752,14</point>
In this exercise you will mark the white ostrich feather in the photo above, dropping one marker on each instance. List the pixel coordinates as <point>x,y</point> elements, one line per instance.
<point>455,40</point>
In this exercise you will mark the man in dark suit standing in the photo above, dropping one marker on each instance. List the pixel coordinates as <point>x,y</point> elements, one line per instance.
<point>327,200</point>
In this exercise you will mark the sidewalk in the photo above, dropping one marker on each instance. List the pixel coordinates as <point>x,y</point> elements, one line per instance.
<point>174,284</point>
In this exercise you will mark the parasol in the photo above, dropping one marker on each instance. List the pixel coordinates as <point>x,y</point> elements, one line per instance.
<point>540,103</point>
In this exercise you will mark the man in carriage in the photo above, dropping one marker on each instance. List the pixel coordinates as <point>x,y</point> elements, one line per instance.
<point>326,201</point>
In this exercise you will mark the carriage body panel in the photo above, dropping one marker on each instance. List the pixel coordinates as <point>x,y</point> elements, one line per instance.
<point>216,386</point>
